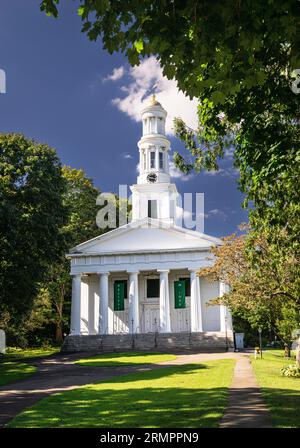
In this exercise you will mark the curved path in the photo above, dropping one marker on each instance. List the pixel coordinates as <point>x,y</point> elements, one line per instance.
<point>58,373</point>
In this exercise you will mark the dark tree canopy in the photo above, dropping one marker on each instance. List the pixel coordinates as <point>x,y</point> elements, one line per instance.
<point>31,216</point>
<point>215,45</point>
<point>237,58</point>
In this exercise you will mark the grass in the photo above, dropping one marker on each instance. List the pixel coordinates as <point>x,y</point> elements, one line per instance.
<point>192,395</point>
<point>13,353</point>
<point>125,358</point>
<point>13,371</point>
<point>281,394</point>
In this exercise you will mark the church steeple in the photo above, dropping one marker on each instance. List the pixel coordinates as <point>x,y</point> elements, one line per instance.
<point>154,196</point>
<point>154,146</point>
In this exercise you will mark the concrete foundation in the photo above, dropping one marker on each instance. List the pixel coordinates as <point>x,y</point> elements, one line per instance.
<point>149,341</point>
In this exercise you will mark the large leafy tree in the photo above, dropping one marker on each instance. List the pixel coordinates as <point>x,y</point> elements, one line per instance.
<point>238,59</point>
<point>32,214</point>
<point>80,201</point>
<point>264,281</point>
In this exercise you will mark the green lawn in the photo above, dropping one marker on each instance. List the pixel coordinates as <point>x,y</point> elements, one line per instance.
<point>125,358</point>
<point>13,371</point>
<point>282,395</point>
<point>192,395</point>
<point>22,353</point>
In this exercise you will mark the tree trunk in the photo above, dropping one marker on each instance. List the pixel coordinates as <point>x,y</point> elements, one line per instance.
<point>58,332</point>
<point>287,351</point>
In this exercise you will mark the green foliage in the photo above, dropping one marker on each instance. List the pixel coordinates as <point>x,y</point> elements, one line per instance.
<point>80,202</point>
<point>31,216</point>
<point>238,59</point>
<point>290,371</point>
<point>264,281</point>
<point>213,48</point>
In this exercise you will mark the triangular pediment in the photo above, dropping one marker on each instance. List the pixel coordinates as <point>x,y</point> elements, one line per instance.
<point>146,236</point>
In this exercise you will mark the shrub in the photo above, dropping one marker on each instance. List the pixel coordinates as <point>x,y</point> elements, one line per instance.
<point>292,371</point>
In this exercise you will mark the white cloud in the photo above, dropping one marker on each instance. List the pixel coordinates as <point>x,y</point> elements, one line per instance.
<point>225,172</point>
<point>127,156</point>
<point>217,212</point>
<point>175,173</point>
<point>147,78</point>
<point>117,73</point>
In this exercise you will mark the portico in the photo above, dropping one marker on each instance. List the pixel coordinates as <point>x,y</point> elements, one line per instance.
<point>148,306</point>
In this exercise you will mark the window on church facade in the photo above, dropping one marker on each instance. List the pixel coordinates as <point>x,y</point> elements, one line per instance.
<point>161,160</point>
<point>125,287</point>
<point>152,287</point>
<point>187,281</point>
<point>152,208</point>
<point>152,159</point>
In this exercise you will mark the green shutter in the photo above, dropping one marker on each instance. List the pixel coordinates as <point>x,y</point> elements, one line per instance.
<point>179,288</point>
<point>119,296</point>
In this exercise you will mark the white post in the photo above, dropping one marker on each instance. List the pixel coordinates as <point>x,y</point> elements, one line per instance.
<point>166,164</point>
<point>164,302</point>
<point>103,302</point>
<point>133,303</point>
<point>157,158</point>
<point>148,158</point>
<point>196,310</point>
<point>76,305</point>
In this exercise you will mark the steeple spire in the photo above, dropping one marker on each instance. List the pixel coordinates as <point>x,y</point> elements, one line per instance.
<point>154,196</point>
<point>154,146</point>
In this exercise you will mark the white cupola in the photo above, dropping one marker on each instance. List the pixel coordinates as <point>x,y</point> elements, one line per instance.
<point>154,196</point>
<point>154,146</point>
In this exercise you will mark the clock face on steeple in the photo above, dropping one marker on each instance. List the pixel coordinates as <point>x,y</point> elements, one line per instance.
<point>152,177</point>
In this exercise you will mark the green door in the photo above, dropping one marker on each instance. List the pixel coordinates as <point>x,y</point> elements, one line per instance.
<point>119,288</point>
<point>179,292</point>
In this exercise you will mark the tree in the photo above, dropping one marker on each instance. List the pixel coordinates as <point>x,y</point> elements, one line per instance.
<point>264,282</point>
<point>238,59</point>
<point>80,202</point>
<point>31,216</point>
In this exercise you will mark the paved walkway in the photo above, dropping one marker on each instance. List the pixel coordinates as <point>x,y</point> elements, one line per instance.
<point>58,373</point>
<point>246,408</point>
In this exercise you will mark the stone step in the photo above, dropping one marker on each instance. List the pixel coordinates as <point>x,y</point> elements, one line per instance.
<point>148,341</point>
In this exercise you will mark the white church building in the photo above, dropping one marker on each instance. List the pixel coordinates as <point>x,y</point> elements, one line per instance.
<point>137,286</point>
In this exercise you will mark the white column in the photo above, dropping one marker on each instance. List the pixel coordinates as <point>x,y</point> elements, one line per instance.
<point>196,309</point>
<point>103,302</point>
<point>157,158</point>
<point>76,305</point>
<point>225,315</point>
<point>133,303</point>
<point>164,301</point>
<point>166,156</point>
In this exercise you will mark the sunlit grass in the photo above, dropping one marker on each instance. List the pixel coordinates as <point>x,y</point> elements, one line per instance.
<point>125,358</point>
<point>179,396</point>
<point>21,353</point>
<point>282,394</point>
<point>13,371</point>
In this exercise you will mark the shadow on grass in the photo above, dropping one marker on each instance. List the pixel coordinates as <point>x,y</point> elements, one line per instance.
<point>177,396</point>
<point>284,405</point>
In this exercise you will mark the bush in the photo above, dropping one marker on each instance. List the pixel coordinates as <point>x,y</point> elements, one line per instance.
<point>292,371</point>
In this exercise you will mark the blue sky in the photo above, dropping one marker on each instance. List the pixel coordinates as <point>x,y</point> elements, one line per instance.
<point>59,93</point>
